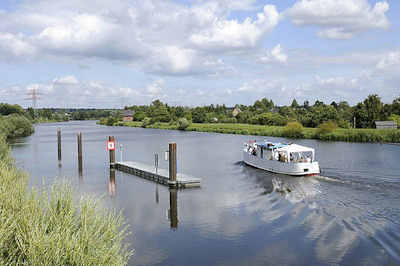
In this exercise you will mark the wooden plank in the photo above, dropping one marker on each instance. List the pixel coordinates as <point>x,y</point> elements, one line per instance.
<point>160,175</point>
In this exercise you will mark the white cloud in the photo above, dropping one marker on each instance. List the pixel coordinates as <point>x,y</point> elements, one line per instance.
<point>390,60</point>
<point>224,33</point>
<point>340,19</point>
<point>66,80</point>
<point>15,46</point>
<point>275,55</point>
<point>154,88</point>
<point>141,34</point>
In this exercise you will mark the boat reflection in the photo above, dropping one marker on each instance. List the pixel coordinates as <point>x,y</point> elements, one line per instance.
<point>294,189</point>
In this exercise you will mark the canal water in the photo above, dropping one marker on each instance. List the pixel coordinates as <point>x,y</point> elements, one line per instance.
<point>349,216</point>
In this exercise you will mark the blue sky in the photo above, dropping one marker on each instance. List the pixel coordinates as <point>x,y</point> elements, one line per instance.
<point>112,53</point>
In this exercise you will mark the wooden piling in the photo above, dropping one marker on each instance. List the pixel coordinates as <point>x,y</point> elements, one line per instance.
<point>112,153</point>
<point>59,143</point>
<point>172,162</point>
<point>79,135</point>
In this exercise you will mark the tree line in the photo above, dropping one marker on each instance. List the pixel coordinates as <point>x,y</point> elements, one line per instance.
<point>265,112</point>
<point>56,114</point>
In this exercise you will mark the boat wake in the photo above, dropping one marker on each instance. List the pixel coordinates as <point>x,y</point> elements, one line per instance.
<point>296,190</point>
<point>330,179</point>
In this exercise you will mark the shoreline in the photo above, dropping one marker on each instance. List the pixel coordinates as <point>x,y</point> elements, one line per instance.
<point>340,134</point>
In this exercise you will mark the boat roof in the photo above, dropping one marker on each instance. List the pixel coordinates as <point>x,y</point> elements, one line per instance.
<point>271,145</point>
<point>295,148</point>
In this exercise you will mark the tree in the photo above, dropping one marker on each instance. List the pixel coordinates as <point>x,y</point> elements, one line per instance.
<point>7,109</point>
<point>199,115</point>
<point>361,116</point>
<point>294,104</point>
<point>306,105</point>
<point>374,108</point>
<point>318,103</point>
<point>396,106</point>
<point>159,112</point>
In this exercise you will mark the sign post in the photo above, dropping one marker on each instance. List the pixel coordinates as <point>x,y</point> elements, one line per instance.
<point>111,149</point>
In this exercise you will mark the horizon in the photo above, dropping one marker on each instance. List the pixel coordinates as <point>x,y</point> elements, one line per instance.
<point>108,55</point>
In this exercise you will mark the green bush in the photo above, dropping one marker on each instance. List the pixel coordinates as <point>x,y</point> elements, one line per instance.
<point>14,125</point>
<point>146,122</point>
<point>326,128</point>
<point>344,124</point>
<point>139,116</point>
<point>269,119</point>
<point>396,118</point>
<point>293,130</point>
<point>183,123</point>
<point>111,121</point>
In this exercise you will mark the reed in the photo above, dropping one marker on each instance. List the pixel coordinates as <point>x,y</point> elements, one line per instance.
<point>49,226</point>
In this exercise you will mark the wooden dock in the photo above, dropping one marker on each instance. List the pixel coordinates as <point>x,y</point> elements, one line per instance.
<point>160,175</point>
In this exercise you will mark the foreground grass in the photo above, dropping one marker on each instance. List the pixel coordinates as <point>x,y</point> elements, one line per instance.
<point>340,134</point>
<point>49,227</point>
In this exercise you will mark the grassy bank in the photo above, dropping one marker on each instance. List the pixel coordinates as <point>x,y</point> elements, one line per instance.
<point>339,134</point>
<point>50,227</point>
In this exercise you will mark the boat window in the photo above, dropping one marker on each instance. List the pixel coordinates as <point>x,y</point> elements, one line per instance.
<point>301,157</point>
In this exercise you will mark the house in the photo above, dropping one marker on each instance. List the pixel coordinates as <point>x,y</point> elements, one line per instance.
<point>127,116</point>
<point>236,111</point>
<point>385,124</point>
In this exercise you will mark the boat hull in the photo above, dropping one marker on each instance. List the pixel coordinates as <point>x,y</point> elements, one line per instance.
<point>294,169</point>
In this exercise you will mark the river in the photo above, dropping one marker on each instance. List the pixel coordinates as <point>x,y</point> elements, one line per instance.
<point>350,216</point>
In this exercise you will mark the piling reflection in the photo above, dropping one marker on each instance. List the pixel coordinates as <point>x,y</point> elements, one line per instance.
<point>157,196</point>
<point>112,186</point>
<point>173,208</point>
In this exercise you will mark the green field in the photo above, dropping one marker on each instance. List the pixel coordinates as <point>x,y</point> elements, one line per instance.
<point>339,134</point>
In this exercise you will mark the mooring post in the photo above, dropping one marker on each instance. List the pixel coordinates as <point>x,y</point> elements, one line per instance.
<point>172,162</point>
<point>59,144</point>
<point>112,152</point>
<point>79,135</point>
<point>156,162</point>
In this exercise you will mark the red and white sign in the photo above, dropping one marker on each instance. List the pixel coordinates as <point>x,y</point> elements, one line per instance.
<point>110,145</point>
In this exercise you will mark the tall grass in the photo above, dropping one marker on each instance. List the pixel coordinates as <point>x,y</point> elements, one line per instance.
<point>49,227</point>
<point>338,134</point>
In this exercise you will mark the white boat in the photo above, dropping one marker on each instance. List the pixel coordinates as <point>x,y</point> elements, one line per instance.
<point>290,159</point>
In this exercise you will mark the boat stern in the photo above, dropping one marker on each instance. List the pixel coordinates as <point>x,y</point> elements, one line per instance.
<point>308,169</point>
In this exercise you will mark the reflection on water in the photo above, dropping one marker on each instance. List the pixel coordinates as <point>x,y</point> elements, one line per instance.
<point>173,208</point>
<point>241,215</point>
<point>157,196</point>
<point>112,186</point>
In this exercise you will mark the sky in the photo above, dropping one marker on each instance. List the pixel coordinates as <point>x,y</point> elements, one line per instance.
<point>114,53</point>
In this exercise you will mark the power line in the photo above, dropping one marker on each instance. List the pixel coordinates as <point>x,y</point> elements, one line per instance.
<point>33,94</point>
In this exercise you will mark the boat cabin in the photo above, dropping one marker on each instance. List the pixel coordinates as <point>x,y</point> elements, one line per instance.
<point>287,153</point>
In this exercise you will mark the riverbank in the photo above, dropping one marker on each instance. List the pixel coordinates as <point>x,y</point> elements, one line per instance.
<point>339,134</point>
<point>49,226</point>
